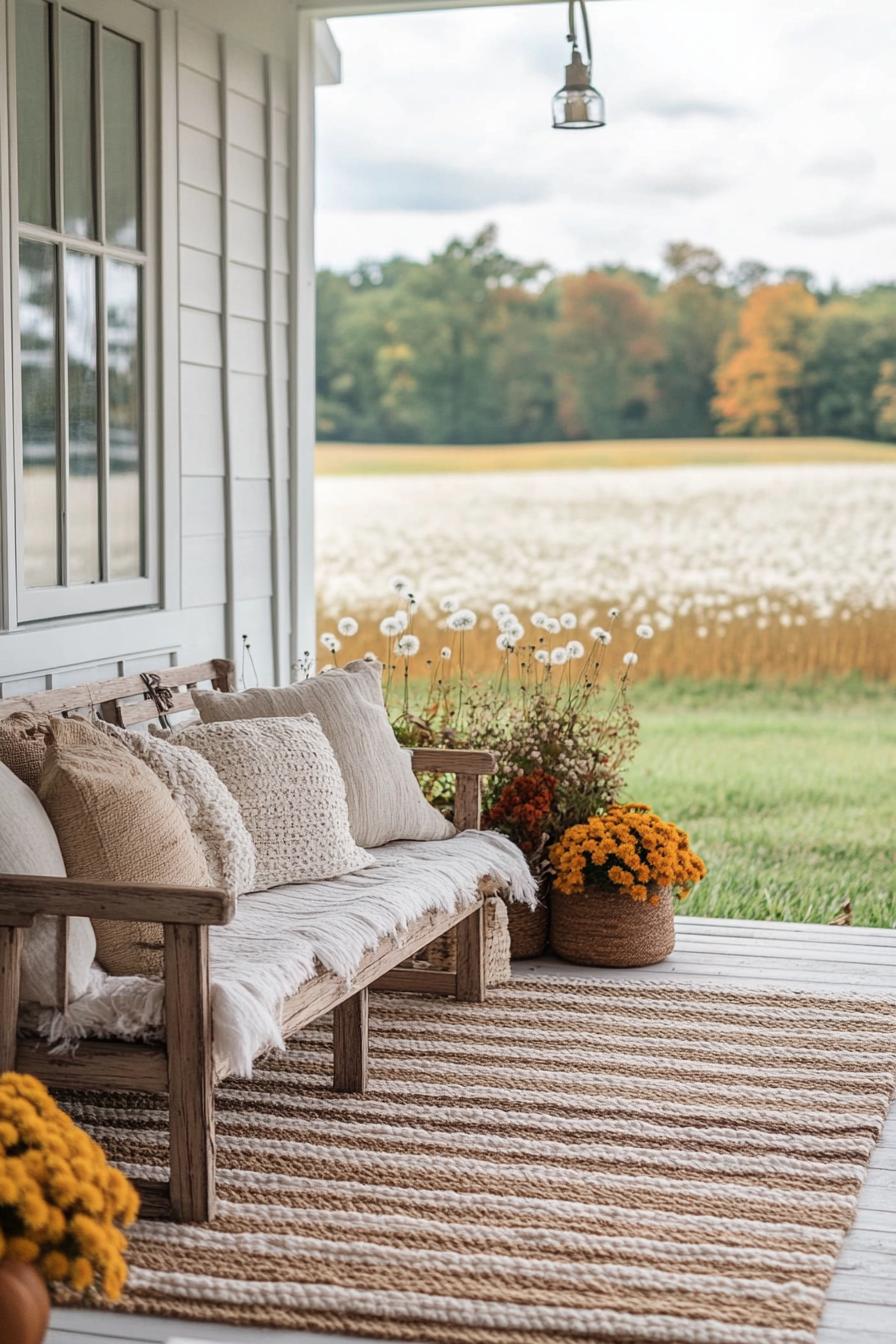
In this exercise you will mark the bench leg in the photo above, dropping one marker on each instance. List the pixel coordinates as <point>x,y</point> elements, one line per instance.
<point>471,957</point>
<point>191,1102</point>
<point>11,939</point>
<point>350,1044</point>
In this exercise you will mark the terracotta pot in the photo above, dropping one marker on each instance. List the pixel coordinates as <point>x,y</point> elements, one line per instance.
<point>24,1304</point>
<point>603,927</point>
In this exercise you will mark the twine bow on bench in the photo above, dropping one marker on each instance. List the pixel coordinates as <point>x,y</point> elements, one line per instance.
<point>161,696</point>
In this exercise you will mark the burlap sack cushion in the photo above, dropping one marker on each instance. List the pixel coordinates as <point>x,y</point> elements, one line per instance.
<point>23,743</point>
<point>58,952</point>
<point>116,822</point>
<point>384,799</point>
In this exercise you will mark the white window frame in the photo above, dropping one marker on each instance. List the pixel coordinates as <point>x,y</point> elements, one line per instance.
<point>137,22</point>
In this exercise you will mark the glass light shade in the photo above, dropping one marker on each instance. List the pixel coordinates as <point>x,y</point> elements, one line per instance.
<point>578,108</point>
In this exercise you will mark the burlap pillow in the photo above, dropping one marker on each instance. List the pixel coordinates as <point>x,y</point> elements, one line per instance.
<point>58,952</point>
<point>384,799</point>
<point>23,744</point>
<point>284,776</point>
<point>116,822</point>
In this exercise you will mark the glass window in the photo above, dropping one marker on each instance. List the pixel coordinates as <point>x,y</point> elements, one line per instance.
<point>125,418</point>
<point>40,462</point>
<point>82,304</point>
<point>76,54</point>
<point>34,111</point>
<point>121,120</point>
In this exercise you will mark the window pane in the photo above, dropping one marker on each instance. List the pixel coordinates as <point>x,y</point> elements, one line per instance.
<point>77,125</point>
<point>37,327</point>
<point>121,129</point>
<point>83,455</point>
<point>33,111</point>
<point>123,302</point>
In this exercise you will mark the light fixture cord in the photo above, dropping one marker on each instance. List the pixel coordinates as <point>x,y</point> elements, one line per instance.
<point>585,28</point>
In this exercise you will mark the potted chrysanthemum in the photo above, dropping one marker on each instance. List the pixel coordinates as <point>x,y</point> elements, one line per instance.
<point>62,1210</point>
<point>617,876</point>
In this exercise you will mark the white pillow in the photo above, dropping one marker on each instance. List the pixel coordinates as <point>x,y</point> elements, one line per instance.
<point>58,952</point>
<point>210,808</point>
<point>285,778</point>
<point>385,801</point>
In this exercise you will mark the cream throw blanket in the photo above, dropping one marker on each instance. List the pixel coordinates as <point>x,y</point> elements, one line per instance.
<point>281,938</point>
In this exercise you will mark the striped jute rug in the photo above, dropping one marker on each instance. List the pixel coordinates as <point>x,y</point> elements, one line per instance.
<point>604,1161</point>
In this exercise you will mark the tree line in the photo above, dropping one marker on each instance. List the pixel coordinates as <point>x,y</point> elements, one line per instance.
<point>474,346</point>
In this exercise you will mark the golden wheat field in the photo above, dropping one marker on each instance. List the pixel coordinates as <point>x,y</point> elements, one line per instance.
<point>771,571</point>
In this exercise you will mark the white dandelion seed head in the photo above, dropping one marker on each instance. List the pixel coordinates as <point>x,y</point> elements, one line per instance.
<point>407,646</point>
<point>538,619</point>
<point>559,657</point>
<point>449,605</point>
<point>506,643</point>
<point>499,610</point>
<point>464,619</point>
<point>516,632</point>
<point>390,626</point>
<point>445,653</point>
<point>507,622</point>
<point>569,620</point>
<point>644,631</point>
<point>369,657</point>
<point>401,584</point>
<point>330,642</point>
<point>542,656</point>
<point>702,631</point>
<point>600,635</point>
<point>347,626</point>
<point>613,613</point>
<point>630,659</point>
<point>402,618</point>
<point>552,625</point>
<point>575,648</point>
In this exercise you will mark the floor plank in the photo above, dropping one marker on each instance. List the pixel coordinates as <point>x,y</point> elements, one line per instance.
<point>861,1305</point>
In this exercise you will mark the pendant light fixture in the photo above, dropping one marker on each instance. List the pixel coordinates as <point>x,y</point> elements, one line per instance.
<point>578,106</point>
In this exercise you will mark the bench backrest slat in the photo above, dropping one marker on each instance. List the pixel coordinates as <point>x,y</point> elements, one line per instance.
<point>114,698</point>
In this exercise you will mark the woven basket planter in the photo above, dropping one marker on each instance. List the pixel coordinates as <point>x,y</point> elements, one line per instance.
<point>441,955</point>
<point>603,927</point>
<point>528,928</point>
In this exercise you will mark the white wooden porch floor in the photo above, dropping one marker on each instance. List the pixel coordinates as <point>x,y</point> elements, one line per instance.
<point>861,1305</point>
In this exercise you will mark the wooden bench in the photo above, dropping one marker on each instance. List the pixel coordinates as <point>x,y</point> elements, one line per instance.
<point>182,1064</point>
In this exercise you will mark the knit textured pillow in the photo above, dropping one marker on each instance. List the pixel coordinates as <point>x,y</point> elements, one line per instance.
<point>285,777</point>
<point>210,808</point>
<point>384,799</point>
<point>116,822</point>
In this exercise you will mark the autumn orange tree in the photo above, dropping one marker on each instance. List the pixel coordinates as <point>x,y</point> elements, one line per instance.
<point>759,384</point>
<point>608,347</point>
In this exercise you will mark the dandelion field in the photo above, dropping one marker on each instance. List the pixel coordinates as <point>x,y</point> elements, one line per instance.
<point>767,693</point>
<point>775,573</point>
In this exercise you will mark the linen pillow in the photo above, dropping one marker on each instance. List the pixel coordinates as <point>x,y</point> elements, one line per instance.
<point>384,799</point>
<point>211,810</point>
<point>58,951</point>
<point>116,822</point>
<point>285,778</point>
<point>23,744</point>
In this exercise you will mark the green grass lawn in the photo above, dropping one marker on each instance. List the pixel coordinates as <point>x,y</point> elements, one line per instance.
<point>788,794</point>
<point>382,459</point>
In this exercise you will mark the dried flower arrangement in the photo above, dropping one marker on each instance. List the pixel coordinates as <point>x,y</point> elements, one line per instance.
<point>62,1206</point>
<point>562,732</point>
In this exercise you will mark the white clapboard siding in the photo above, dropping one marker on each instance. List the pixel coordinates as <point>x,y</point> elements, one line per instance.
<point>233,137</point>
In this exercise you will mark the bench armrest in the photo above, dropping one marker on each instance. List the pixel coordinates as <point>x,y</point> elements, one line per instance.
<point>445,761</point>
<point>22,896</point>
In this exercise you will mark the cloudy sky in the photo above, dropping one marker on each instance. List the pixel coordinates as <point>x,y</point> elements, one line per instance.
<point>765,129</point>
